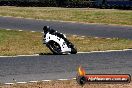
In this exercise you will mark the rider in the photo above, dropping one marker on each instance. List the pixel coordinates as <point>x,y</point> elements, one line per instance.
<point>47,29</point>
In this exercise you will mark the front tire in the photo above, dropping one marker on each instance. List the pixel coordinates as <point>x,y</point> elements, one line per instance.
<point>54,47</point>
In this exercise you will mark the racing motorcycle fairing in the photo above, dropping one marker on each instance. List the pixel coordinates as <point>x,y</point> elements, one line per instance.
<point>58,43</point>
<point>54,38</point>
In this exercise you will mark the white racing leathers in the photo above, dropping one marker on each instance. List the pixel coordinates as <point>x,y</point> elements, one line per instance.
<point>59,45</point>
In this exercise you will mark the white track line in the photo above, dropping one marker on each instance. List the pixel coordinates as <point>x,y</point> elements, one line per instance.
<point>46,80</point>
<point>28,55</point>
<point>96,37</point>
<point>33,31</point>
<point>8,29</point>
<point>106,51</point>
<point>74,78</point>
<point>108,38</point>
<point>9,83</point>
<point>82,36</point>
<point>63,79</point>
<point>7,16</point>
<point>74,35</point>
<point>127,49</point>
<point>38,81</point>
<point>20,30</point>
<point>33,81</point>
<point>21,82</point>
<point>7,56</point>
<point>21,55</point>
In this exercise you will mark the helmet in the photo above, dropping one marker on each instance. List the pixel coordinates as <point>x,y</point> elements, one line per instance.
<point>46,29</point>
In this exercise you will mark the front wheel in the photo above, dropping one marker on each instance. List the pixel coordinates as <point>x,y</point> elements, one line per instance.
<point>54,47</point>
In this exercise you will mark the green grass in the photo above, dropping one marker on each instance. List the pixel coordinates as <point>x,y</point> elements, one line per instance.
<point>16,43</point>
<point>19,43</point>
<point>85,15</point>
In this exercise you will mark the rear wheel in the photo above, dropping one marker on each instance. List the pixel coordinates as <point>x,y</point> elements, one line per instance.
<point>54,47</point>
<point>73,49</point>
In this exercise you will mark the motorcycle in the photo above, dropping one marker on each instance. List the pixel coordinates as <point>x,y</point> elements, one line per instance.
<point>57,42</point>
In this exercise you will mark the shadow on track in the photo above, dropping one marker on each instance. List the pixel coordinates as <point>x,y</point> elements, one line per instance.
<point>50,54</point>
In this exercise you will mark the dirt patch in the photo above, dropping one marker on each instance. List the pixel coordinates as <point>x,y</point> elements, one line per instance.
<point>65,84</point>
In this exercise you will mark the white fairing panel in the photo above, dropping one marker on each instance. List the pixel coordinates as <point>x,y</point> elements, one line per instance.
<point>60,41</point>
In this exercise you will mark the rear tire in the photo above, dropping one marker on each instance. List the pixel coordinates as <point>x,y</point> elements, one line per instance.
<point>73,50</point>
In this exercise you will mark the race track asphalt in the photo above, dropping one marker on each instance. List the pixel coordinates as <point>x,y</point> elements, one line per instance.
<point>68,28</point>
<point>63,66</point>
<point>52,67</point>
